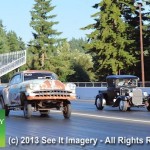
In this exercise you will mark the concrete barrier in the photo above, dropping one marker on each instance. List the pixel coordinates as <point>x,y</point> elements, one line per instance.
<point>89,93</point>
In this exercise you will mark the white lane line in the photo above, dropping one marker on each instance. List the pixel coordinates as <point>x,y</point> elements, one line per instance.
<point>111,118</point>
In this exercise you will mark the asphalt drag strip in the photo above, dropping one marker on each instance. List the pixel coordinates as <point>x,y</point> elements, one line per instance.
<point>131,120</point>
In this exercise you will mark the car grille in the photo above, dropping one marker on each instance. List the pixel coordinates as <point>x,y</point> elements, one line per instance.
<point>52,93</point>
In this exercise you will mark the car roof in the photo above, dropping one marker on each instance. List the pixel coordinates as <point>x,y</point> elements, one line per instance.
<point>36,71</point>
<point>33,71</point>
<point>121,77</point>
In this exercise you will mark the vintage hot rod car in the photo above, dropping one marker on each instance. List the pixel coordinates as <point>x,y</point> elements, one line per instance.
<point>123,92</point>
<point>35,90</point>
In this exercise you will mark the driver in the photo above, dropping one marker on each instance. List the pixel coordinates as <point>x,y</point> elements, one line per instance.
<point>127,82</point>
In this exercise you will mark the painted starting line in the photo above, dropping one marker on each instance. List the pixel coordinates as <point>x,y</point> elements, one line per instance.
<point>106,117</point>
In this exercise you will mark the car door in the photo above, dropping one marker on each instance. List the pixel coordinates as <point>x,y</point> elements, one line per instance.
<point>14,89</point>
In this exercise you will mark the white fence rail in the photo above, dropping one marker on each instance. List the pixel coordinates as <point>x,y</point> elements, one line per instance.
<point>11,61</point>
<point>103,84</point>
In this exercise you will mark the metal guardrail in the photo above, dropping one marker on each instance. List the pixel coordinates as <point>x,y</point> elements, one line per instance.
<point>103,84</point>
<point>11,61</point>
<point>90,84</point>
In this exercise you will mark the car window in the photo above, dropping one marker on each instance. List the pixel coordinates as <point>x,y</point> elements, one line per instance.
<point>15,79</point>
<point>111,82</point>
<point>124,82</point>
<point>32,76</point>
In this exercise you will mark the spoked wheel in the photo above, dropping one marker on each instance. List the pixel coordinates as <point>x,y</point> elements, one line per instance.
<point>27,110</point>
<point>44,113</point>
<point>67,110</point>
<point>148,108</point>
<point>99,103</point>
<point>123,105</point>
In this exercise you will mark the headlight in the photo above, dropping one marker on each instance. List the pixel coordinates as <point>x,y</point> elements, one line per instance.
<point>33,87</point>
<point>70,87</point>
<point>145,94</point>
<point>131,94</point>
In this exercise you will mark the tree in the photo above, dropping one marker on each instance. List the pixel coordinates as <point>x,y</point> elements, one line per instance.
<point>43,46</point>
<point>3,39</point>
<point>131,17</point>
<point>77,44</point>
<point>71,64</point>
<point>81,62</point>
<point>108,42</point>
<point>82,65</point>
<point>61,62</point>
<point>9,42</point>
<point>14,43</point>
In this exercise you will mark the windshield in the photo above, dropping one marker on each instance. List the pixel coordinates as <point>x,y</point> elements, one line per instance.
<point>32,76</point>
<point>126,82</point>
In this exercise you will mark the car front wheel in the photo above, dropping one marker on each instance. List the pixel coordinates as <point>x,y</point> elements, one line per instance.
<point>99,103</point>
<point>148,108</point>
<point>123,105</point>
<point>27,110</point>
<point>67,111</point>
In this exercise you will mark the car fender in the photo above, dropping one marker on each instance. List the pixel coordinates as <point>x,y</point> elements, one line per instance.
<point>5,95</point>
<point>118,99</point>
<point>121,98</point>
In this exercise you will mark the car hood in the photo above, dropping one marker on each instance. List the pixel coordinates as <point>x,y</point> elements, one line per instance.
<point>46,84</point>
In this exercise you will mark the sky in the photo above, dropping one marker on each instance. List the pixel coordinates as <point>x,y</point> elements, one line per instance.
<point>71,15</point>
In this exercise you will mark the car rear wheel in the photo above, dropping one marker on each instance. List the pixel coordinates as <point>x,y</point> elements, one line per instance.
<point>67,111</point>
<point>27,110</point>
<point>1,103</point>
<point>123,105</point>
<point>99,103</point>
<point>7,111</point>
<point>2,106</point>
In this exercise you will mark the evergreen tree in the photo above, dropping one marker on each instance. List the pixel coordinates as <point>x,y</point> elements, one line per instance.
<point>3,40</point>
<point>43,47</point>
<point>14,43</point>
<point>22,45</point>
<point>108,42</point>
<point>131,17</point>
<point>77,44</point>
